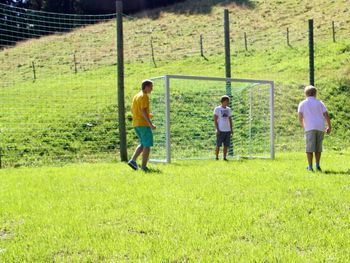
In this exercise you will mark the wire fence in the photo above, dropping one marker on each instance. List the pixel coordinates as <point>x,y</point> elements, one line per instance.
<point>54,109</point>
<point>262,54</point>
<point>163,42</point>
<point>58,74</point>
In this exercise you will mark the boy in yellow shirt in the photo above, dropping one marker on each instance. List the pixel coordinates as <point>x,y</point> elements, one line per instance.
<point>142,124</point>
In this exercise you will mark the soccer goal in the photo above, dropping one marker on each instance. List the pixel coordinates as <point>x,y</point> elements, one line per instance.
<point>183,107</point>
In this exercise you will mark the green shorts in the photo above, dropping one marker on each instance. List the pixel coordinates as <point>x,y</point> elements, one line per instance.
<point>145,135</point>
<point>314,140</point>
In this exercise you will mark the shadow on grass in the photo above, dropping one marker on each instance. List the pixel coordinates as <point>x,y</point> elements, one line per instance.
<point>195,7</point>
<point>153,171</point>
<point>337,172</point>
<point>204,57</point>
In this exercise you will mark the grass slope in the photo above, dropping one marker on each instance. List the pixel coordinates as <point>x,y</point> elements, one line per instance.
<point>72,116</point>
<point>240,211</point>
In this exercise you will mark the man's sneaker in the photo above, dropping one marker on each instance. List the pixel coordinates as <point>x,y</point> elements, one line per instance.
<point>225,159</point>
<point>318,169</point>
<point>133,165</point>
<point>309,169</point>
<point>145,169</point>
<point>216,158</point>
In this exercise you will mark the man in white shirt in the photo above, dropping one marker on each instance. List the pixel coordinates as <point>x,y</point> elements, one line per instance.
<point>312,116</point>
<point>223,125</point>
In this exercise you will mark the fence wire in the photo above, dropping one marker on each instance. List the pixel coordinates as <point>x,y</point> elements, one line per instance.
<point>58,74</point>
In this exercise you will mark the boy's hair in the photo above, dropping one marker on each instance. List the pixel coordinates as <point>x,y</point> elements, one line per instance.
<point>146,83</point>
<point>310,91</point>
<point>224,98</point>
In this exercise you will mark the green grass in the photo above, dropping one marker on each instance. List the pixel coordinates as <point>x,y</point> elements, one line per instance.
<point>190,211</point>
<point>241,211</point>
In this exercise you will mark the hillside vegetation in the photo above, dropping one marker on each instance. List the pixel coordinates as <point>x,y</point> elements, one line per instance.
<point>72,117</point>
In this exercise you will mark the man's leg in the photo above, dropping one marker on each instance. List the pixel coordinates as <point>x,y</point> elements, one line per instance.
<point>310,147</point>
<point>227,142</point>
<point>137,152</point>
<point>217,150</point>
<point>145,155</point>
<point>318,159</point>
<point>132,162</point>
<point>309,159</point>
<point>319,139</point>
<point>225,152</point>
<point>219,142</point>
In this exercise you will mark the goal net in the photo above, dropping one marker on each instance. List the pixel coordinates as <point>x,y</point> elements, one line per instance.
<point>183,109</point>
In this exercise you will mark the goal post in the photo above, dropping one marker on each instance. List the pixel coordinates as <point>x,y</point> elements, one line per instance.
<point>183,112</point>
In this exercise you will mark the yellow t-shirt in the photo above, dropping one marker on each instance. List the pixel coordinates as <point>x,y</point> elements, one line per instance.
<point>140,101</point>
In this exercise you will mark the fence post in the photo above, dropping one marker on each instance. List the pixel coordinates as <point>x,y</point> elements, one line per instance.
<point>228,63</point>
<point>75,64</point>
<point>152,53</point>
<point>333,31</point>
<point>245,41</point>
<point>311,52</point>
<point>201,44</point>
<point>121,103</point>
<point>34,72</point>
<point>288,43</point>
<point>227,46</point>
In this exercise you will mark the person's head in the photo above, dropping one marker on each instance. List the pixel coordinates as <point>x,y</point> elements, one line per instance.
<point>310,91</point>
<point>225,100</point>
<point>147,86</point>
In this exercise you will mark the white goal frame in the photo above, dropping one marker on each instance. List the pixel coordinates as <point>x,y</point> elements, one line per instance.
<point>167,79</point>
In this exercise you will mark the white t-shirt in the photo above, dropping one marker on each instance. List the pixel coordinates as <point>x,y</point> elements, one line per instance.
<point>223,118</point>
<point>313,110</point>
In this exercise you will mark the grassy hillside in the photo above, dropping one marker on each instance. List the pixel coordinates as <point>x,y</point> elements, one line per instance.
<point>241,211</point>
<point>175,31</point>
<point>67,116</point>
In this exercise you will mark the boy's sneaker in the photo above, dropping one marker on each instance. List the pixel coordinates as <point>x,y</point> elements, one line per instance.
<point>133,165</point>
<point>225,159</point>
<point>309,169</point>
<point>318,169</point>
<point>145,169</point>
<point>216,158</point>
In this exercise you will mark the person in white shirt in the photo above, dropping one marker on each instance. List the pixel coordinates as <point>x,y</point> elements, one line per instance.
<point>223,126</point>
<point>312,116</point>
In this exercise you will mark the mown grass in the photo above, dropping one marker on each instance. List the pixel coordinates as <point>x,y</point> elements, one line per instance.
<point>243,210</point>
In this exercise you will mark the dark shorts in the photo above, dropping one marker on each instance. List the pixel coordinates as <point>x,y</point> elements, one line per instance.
<point>223,138</point>
<point>145,135</point>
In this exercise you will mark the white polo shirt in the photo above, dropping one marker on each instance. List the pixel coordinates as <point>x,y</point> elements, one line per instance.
<point>313,110</point>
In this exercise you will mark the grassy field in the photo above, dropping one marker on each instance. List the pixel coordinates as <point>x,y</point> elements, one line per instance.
<point>190,211</point>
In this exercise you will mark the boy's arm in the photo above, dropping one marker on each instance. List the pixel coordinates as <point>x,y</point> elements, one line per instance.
<point>146,117</point>
<point>301,120</point>
<point>216,123</point>
<point>328,120</point>
<point>230,119</point>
